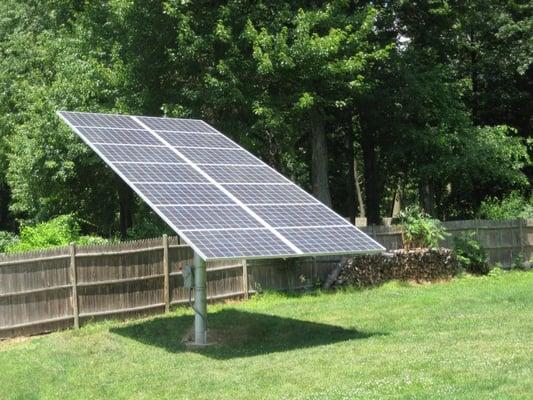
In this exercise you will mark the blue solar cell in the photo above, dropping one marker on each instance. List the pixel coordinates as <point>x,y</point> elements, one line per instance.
<point>119,136</point>
<point>252,243</point>
<point>298,215</point>
<point>270,194</point>
<point>176,124</point>
<point>331,240</point>
<point>210,217</point>
<point>183,194</point>
<point>108,121</point>
<point>219,156</point>
<point>243,174</point>
<point>161,173</point>
<point>124,153</point>
<point>186,139</point>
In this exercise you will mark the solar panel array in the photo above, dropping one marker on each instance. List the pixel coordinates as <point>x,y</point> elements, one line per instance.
<point>223,201</point>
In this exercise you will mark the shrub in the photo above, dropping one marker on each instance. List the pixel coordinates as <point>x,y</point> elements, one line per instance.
<point>59,231</point>
<point>7,239</point>
<point>511,207</point>
<point>419,229</point>
<point>470,253</point>
<point>520,262</point>
<point>92,240</point>
<point>496,272</point>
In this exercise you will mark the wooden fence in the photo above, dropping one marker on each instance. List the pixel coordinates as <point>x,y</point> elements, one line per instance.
<point>503,241</point>
<point>57,288</point>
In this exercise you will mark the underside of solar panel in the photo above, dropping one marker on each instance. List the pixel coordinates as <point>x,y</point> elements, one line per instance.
<point>220,199</point>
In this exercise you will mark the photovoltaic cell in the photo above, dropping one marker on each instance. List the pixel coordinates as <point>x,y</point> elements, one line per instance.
<point>119,136</point>
<point>78,119</point>
<point>219,156</point>
<point>243,174</point>
<point>330,240</point>
<point>161,173</point>
<point>136,153</point>
<point>176,124</point>
<point>183,194</point>
<point>210,217</point>
<point>253,243</point>
<point>298,215</point>
<point>186,139</point>
<point>218,197</point>
<point>267,194</point>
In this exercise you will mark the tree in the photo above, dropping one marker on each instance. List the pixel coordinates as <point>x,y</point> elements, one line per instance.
<point>319,62</point>
<point>50,172</point>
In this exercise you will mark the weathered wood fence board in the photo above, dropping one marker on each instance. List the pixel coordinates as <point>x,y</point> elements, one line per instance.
<point>53,289</point>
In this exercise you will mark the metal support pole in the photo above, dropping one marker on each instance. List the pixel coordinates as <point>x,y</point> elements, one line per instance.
<point>200,301</point>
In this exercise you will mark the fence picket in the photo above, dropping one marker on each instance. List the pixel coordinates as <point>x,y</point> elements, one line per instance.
<point>74,281</point>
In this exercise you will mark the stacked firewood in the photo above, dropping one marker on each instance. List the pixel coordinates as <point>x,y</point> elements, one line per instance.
<point>419,265</point>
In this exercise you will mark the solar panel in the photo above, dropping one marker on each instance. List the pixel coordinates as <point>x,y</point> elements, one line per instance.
<point>223,201</point>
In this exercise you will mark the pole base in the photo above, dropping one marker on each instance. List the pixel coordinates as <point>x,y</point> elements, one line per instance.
<point>189,341</point>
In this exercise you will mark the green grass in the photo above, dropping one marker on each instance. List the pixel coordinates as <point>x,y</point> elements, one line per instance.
<point>469,338</point>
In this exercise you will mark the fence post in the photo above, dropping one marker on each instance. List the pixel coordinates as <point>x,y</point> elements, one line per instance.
<point>166,283</point>
<point>74,282</point>
<point>521,222</point>
<point>245,279</point>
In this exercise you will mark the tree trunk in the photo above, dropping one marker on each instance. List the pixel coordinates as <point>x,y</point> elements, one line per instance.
<point>126,202</point>
<point>396,202</point>
<point>4,207</point>
<point>427,197</point>
<point>350,176</point>
<point>360,201</point>
<point>371,176</point>
<point>319,158</point>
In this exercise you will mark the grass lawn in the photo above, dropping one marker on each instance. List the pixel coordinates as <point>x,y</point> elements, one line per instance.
<point>471,338</point>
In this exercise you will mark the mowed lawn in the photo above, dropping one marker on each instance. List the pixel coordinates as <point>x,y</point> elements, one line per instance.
<point>471,338</point>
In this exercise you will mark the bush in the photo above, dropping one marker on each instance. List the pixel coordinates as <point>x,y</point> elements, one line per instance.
<point>419,229</point>
<point>59,231</point>
<point>92,240</point>
<point>512,207</point>
<point>470,253</point>
<point>7,239</point>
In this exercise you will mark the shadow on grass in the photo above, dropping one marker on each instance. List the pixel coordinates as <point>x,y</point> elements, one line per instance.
<point>235,333</point>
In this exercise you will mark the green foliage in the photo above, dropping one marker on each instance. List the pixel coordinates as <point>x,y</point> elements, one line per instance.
<point>496,272</point>
<point>419,229</point>
<point>92,240</point>
<point>471,254</point>
<point>487,161</point>
<point>7,239</point>
<point>59,231</point>
<point>520,262</point>
<point>513,206</point>
<point>148,225</point>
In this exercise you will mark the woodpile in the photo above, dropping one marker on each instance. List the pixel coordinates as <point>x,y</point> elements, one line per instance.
<point>420,265</point>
